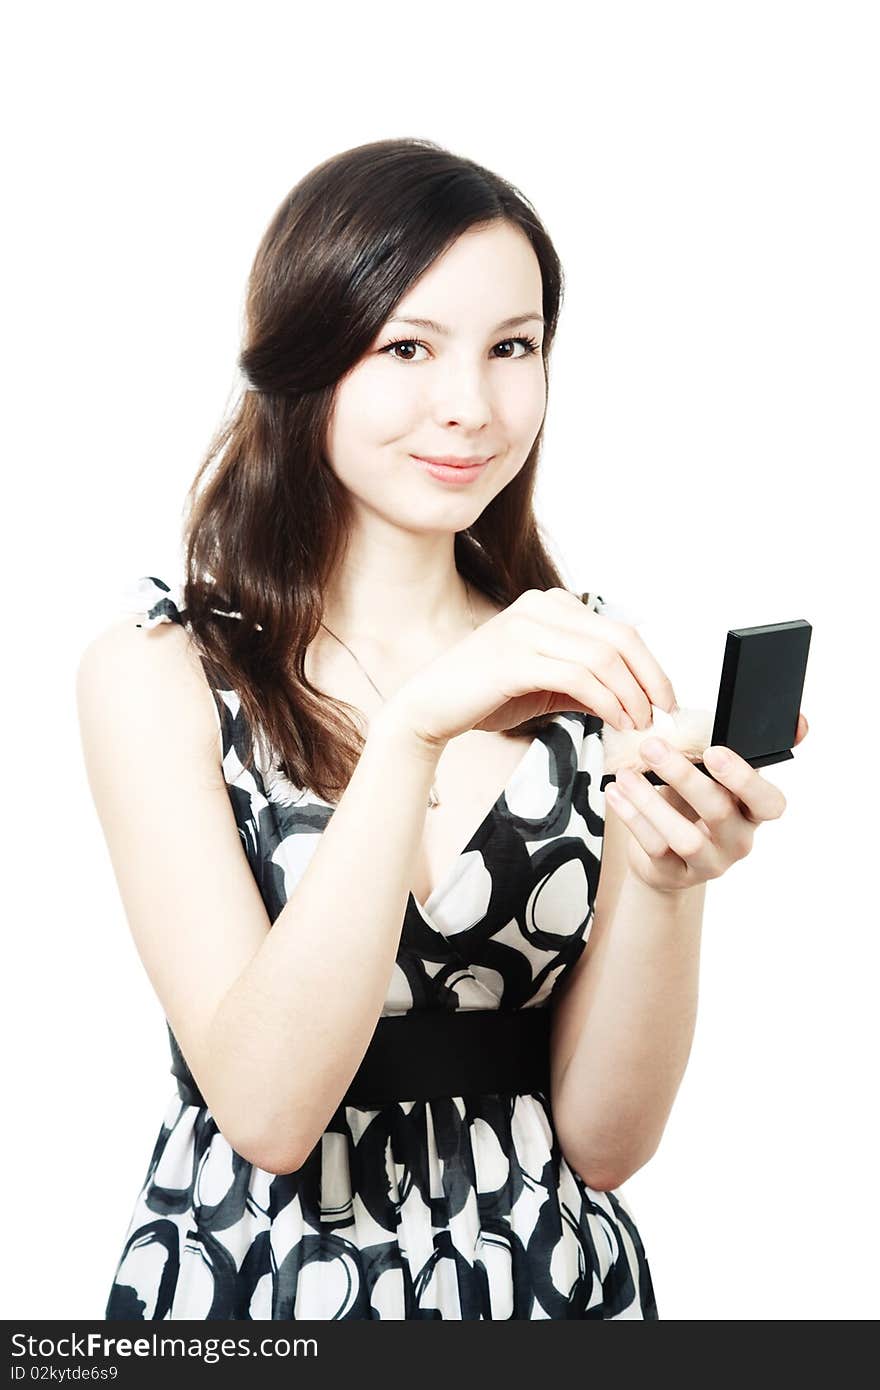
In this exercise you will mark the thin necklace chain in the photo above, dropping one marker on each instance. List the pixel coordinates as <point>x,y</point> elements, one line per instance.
<point>433,798</point>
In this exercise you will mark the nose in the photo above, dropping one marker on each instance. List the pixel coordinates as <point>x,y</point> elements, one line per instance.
<point>463,397</point>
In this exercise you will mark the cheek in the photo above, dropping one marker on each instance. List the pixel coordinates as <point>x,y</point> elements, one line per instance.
<point>525,400</point>
<point>373,409</point>
<point>522,409</point>
<point>539,392</point>
<point>366,420</point>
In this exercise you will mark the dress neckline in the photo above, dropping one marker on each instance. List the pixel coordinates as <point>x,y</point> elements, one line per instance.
<point>450,875</point>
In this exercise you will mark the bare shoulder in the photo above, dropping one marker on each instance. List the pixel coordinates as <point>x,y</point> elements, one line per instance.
<point>154,679</point>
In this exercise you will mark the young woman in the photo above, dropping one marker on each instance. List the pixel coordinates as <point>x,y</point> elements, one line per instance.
<point>430,991</point>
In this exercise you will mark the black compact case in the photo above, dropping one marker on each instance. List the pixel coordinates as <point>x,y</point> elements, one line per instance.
<point>759,695</point>
<point>759,698</point>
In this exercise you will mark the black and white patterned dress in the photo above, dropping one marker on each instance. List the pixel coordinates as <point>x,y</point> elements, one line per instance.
<point>461,1208</point>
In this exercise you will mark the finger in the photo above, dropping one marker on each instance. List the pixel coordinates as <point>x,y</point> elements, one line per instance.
<point>705,795</point>
<point>759,799</point>
<point>803,729</point>
<point>645,831</point>
<point>563,639</point>
<point>650,674</point>
<point>674,831</point>
<point>644,668</point>
<point>617,655</point>
<point>660,864</point>
<point>720,814</point>
<point>637,664</point>
<point>575,681</point>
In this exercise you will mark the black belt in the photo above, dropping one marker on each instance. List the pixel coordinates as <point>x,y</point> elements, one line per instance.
<point>430,1053</point>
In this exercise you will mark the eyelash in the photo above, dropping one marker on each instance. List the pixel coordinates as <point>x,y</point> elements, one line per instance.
<point>530,345</point>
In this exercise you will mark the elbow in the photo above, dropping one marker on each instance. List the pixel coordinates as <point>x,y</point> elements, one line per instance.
<point>605,1180</point>
<point>276,1164</point>
<point>601,1179</point>
<point>268,1157</point>
<point>278,1139</point>
<point>605,1177</point>
<point>277,1153</point>
<point>262,1140</point>
<point>263,1151</point>
<point>277,1157</point>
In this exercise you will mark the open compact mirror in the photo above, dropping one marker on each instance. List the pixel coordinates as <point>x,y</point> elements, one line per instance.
<point>756,713</point>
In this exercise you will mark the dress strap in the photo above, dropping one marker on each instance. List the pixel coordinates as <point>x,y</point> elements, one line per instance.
<point>595,602</point>
<point>156,600</point>
<point>611,609</point>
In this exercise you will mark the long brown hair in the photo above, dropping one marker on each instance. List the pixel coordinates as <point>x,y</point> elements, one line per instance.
<point>267,518</point>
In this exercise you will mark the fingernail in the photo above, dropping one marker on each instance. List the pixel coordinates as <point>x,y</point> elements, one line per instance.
<point>653,749</point>
<point>716,758</point>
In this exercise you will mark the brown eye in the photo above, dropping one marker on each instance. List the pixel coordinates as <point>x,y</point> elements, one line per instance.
<point>528,344</point>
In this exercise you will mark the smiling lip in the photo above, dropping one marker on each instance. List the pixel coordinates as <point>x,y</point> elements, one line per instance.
<point>457,473</point>
<point>450,462</point>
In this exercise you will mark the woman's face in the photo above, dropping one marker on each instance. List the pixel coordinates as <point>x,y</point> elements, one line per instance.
<point>471,391</point>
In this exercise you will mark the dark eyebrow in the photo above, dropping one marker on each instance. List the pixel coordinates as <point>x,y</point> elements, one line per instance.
<point>439,327</point>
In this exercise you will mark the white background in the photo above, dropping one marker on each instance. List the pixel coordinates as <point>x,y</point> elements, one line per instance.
<point>709,175</point>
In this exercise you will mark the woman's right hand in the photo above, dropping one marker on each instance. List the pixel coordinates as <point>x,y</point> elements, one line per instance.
<point>544,653</point>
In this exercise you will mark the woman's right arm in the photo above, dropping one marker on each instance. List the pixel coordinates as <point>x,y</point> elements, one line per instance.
<point>273,1019</point>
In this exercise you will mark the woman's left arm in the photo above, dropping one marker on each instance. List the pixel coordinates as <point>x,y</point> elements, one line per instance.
<point>624,1021</point>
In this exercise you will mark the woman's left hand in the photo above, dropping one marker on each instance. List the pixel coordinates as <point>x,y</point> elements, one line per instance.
<point>694,828</point>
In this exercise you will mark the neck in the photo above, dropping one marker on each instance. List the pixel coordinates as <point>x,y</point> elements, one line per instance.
<point>405,595</point>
